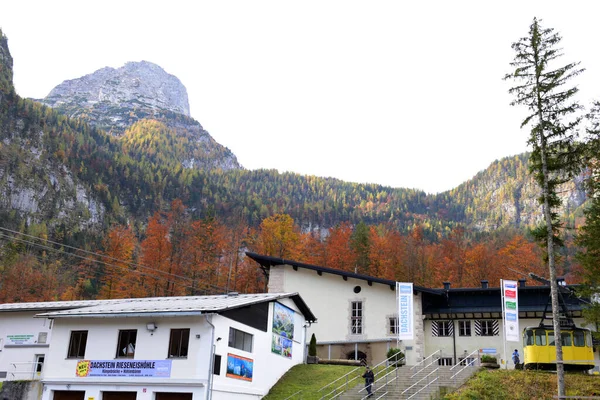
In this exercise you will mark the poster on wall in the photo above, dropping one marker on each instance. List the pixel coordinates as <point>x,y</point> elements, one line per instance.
<point>112,368</point>
<point>283,330</point>
<point>282,346</point>
<point>404,294</point>
<point>239,367</point>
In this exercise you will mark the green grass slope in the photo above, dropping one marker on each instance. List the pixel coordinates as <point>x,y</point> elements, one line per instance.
<point>524,385</point>
<point>308,379</point>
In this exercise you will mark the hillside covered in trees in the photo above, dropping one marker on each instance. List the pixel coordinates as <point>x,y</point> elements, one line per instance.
<point>178,221</point>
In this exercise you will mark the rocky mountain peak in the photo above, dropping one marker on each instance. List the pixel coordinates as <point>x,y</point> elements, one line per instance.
<point>108,96</point>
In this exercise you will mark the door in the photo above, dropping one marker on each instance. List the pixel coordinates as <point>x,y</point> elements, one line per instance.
<point>119,395</point>
<point>173,396</point>
<point>68,395</point>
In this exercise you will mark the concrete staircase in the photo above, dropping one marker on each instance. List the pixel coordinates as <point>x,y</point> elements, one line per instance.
<point>403,378</point>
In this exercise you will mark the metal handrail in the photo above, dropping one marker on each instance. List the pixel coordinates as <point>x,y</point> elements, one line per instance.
<point>467,365</point>
<point>419,391</point>
<point>382,386</point>
<point>341,377</point>
<point>422,369</point>
<point>419,381</point>
<point>356,377</point>
<point>467,356</point>
<point>380,378</point>
<point>32,372</point>
<point>425,359</point>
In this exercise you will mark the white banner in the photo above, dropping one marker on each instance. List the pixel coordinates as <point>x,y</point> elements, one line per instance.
<point>20,340</point>
<point>510,304</point>
<point>406,324</point>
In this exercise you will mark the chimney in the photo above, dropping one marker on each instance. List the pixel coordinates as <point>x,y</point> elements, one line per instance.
<point>522,282</point>
<point>484,284</point>
<point>446,285</point>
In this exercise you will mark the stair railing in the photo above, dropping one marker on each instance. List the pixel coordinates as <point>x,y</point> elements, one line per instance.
<point>434,358</point>
<point>387,381</point>
<point>419,381</point>
<point>466,365</point>
<point>334,391</point>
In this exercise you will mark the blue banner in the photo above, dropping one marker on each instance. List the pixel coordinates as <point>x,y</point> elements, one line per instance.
<point>128,368</point>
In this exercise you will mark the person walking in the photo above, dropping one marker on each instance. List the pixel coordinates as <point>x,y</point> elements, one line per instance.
<point>369,378</point>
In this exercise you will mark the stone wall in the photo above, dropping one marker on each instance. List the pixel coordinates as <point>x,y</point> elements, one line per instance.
<point>21,390</point>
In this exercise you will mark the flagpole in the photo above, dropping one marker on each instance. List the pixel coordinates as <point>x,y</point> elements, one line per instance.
<point>503,322</point>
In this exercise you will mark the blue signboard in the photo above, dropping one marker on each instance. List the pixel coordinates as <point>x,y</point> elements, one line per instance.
<point>128,368</point>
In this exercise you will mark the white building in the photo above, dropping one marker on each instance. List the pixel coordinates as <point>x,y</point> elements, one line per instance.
<point>358,314</point>
<point>174,348</point>
<point>24,340</point>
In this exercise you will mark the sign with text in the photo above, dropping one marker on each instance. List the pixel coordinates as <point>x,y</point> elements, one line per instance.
<point>404,293</point>
<point>510,299</point>
<point>129,368</point>
<point>20,340</point>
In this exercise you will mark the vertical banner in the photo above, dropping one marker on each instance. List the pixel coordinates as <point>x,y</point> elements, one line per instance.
<point>510,303</point>
<point>405,311</point>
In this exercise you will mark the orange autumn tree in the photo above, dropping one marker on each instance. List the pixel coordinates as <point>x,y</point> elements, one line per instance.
<point>520,257</point>
<point>26,279</point>
<point>385,253</point>
<point>338,252</point>
<point>278,236</point>
<point>120,278</point>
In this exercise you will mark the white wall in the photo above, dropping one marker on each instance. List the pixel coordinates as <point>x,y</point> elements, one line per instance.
<point>329,297</point>
<point>21,323</point>
<point>268,366</point>
<point>187,375</point>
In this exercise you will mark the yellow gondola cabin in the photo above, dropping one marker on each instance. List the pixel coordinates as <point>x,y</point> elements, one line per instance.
<point>540,351</point>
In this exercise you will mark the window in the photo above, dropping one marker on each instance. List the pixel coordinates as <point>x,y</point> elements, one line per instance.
<point>126,344</point>
<point>487,327</point>
<point>540,337</point>
<point>356,321</point>
<point>464,328</point>
<point>566,339</point>
<point>578,338</point>
<point>551,341</point>
<point>77,344</point>
<point>446,361</point>
<point>217,365</point>
<point>394,329</point>
<point>178,343</point>
<point>528,338</point>
<point>240,340</point>
<point>445,328</point>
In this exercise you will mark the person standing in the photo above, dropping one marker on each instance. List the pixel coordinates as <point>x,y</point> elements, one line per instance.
<point>369,378</point>
<point>515,357</point>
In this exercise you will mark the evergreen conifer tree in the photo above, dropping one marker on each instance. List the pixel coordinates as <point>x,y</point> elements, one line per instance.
<point>553,119</point>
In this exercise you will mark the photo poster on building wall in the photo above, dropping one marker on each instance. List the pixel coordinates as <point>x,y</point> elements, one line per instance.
<point>239,367</point>
<point>510,300</point>
<point>283,330</point>
<point>404,294</point>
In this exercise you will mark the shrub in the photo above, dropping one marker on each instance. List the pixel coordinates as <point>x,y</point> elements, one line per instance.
<point>488,359</point>
<point>395,356</point>
<point>312,346</point>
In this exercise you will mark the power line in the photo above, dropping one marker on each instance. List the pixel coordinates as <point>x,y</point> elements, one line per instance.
<point>204,286</point>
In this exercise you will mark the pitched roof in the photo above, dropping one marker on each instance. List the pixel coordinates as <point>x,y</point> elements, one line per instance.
<point>183,305</point>
<point>53,305</point>
<point>268,261</point>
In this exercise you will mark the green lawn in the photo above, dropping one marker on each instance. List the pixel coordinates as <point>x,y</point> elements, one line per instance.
<point>524,385</point>
<point>309,378</point>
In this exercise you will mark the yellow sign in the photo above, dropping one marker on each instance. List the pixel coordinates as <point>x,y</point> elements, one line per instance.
<point>83,369</point>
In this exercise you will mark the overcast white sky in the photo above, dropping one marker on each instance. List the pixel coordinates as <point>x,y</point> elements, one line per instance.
<point>405,94</point>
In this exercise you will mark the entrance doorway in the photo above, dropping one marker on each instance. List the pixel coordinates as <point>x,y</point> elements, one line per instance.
<point>173,396</point>
<point>119,395</point>
<point>69,395</point>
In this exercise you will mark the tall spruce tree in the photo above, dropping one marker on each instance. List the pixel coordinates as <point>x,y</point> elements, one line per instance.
<point>553,119</point>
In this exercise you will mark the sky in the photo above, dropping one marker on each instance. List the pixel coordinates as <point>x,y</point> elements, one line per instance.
<point>397,93</point>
